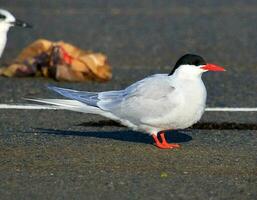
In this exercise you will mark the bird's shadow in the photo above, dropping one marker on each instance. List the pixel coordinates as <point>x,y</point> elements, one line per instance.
<point>126,135</point>
<point>137,137</point>
<point>199,125</point>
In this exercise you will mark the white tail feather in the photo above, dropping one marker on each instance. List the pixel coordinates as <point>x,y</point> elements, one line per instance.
<point>72,105</point>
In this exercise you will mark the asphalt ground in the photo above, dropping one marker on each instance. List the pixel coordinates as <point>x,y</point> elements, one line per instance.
<point>64,155</point>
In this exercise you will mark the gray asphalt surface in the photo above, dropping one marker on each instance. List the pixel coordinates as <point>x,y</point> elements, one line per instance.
<point>66,155</point>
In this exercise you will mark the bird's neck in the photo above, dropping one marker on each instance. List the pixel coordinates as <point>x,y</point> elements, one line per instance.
<point>193,75</point>
<point>3,39</point>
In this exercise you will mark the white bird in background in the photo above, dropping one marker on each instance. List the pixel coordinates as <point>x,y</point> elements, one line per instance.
<point>154,104</point>
<point>7,20</point>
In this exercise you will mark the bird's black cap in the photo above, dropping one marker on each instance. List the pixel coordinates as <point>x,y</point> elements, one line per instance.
<point>188,59</point>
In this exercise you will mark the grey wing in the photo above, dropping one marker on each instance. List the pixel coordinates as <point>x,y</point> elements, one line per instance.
<point>147,97</point>
<point>104,100</point>
<point>96,99</point>
<point>150,97</point>
<point>89,98</point>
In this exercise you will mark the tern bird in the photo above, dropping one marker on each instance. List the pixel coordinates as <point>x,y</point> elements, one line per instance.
<point>7,20</point>
<point>154,104</point>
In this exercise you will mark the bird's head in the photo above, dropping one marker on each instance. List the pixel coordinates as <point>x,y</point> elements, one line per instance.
<point>7,20</point>
<point>193,65</point>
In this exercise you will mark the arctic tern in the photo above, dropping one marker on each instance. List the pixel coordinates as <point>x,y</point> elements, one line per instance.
<point>154,104</point>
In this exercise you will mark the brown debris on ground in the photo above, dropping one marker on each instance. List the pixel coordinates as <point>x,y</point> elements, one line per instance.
<point>59,60</point>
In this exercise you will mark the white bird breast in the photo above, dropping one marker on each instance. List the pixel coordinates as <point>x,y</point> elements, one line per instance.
<point>181,109</point>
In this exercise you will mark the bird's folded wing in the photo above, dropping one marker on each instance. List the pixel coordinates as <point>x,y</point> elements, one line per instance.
<point>145,99</point>
<point>150,97</point>
<point>89,98</point>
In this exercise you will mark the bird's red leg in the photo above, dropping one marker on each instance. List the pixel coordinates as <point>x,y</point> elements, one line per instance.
<point>158,143</point>
<point>165,143</point>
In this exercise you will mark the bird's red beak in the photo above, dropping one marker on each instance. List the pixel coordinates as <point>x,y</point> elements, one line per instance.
<point>212,67</point>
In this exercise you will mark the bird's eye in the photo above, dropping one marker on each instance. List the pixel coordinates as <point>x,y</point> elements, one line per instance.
<point>2,16</point>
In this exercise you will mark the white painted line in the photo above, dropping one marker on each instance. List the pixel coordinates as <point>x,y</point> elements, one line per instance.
<point>29,107</point>
<point>49,107</point>
<point>228,109</point>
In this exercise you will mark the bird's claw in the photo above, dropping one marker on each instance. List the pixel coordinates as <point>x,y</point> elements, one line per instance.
<point>164,144</point>
<point>167,146</point>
